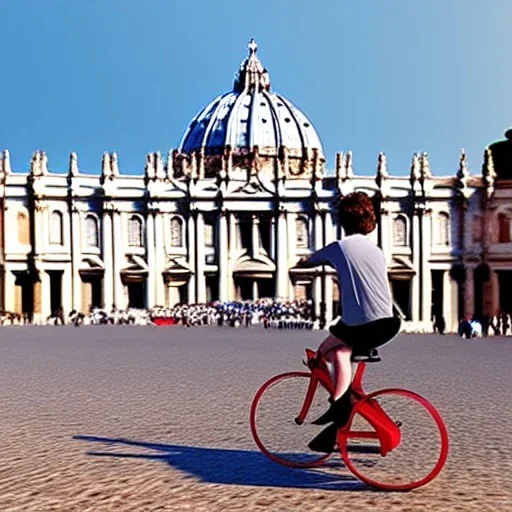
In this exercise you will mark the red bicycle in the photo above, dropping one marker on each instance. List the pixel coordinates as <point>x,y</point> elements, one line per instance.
<point>394,440</point>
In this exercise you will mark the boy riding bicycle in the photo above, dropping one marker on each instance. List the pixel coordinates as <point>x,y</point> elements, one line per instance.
<point>366,302</point>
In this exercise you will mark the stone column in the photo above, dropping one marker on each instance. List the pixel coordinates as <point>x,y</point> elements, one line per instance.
<point>118,261</point>
<point>273,239</point>
<point>255,236</point>
<point>222,256</point>
<point>150,251</point>
<point>233,253</point>
<point>291,236</point>
<point>469,293</point>
<point>328,284</point>
<point>160,259</point>
<point>39,226</point>
<point>495,292</point>
<point>282,257</point>
<point>76,258</point>
<point>255,294</point>
<point>415,286</point>
<point>454,298</point>
<point>427,276</point>
<point>448,300</point>
<point>10,289</point>
<point>201,259</point>
<point>67,290</point>
<point>107,242</point>
<point>45,295</point>
<point>37,301</point>
<point>191,246</point>
<point>387,234</point>
<point>318,234</point>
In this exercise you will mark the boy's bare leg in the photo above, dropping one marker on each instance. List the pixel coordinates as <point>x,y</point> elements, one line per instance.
<point>336,352</point>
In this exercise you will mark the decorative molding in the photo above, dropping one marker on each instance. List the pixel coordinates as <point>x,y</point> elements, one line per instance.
<point>109,206</point>
<point>152,208</point>
<point>40,206</point>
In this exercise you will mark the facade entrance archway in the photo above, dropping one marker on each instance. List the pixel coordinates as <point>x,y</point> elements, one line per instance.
<point>505,285</point>
<point>24,293</point>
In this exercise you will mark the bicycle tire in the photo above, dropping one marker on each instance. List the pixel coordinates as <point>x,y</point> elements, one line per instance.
<point>293,398</point>
<point>425,410</point>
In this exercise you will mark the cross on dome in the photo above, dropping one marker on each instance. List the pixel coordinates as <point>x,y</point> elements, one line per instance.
<point>253,46</point>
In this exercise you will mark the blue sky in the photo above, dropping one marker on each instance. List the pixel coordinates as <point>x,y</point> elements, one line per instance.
<point>397,76</point>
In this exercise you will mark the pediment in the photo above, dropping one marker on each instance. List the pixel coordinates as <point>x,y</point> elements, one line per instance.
<point>251,187</point>
<point>177,266</point>
<point>91,262</point>
<point>247,264</point>
<point>136,264</point>
<point>401,265</point>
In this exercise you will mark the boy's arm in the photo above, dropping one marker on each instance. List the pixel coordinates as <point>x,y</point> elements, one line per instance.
<point>320,257</point>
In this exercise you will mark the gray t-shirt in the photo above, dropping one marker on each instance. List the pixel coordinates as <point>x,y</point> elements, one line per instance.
<point>361,267</point>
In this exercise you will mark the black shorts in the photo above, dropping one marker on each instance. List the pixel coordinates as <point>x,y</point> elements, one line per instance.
<point>365,337</point>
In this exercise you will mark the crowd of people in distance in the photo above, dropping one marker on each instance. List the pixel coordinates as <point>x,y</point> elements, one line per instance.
<point>497,325</point>
<point>268,313</point>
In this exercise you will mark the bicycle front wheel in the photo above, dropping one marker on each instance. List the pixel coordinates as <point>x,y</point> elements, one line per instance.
<point>396,440</point>
<point>274,411</point>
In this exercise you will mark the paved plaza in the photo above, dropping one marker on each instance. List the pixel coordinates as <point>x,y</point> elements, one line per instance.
<point>152,419</point>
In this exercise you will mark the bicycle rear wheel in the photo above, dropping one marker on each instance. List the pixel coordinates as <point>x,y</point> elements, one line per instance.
<point>273,413</point>
<point>396,440</point>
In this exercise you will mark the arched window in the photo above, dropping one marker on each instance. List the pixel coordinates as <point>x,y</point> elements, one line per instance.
<point>504,228</point>
<point>56,228</point>
<point>400,232</point>
<point>476,228</point>
<point>443,229</point>
<point>23,228</point>
<point>135,231</point>
<point>302,230</point>
<point>176,232</point>
<point>91,231</point>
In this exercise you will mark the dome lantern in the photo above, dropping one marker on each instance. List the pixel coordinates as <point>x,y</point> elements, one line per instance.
<point>251,75</point>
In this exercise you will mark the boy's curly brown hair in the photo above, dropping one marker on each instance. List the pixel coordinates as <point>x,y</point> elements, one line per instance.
<point>356,213</point>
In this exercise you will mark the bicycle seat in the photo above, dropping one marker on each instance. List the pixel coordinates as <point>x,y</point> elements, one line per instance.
<point>369,356</point>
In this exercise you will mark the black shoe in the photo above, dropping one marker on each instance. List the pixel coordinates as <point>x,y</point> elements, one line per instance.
<point>325,441</point>
<point>338,413</point>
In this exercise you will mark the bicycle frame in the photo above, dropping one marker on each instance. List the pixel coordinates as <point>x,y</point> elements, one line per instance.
<point>385,429</point>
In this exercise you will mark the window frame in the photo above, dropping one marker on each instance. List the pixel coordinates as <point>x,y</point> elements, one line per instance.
<point>53,215</point>
<point>401,218</point>
<point>140,221</point>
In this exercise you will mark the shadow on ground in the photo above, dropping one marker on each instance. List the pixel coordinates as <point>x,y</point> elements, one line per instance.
<point>231,467</point>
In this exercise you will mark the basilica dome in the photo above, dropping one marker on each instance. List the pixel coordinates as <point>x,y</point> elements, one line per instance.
<point>251,115</point>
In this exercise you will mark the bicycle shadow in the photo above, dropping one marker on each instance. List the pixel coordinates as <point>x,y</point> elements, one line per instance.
<point>232,467</point>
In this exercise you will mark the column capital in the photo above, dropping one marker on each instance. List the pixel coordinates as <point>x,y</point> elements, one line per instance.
<point>282,209</point>
<point>78,206</point>
<point>109,206</point>
<point>152,208</point>
<point>40,206</point>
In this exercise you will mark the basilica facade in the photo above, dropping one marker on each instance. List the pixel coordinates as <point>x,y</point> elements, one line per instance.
<point>227,215</point>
